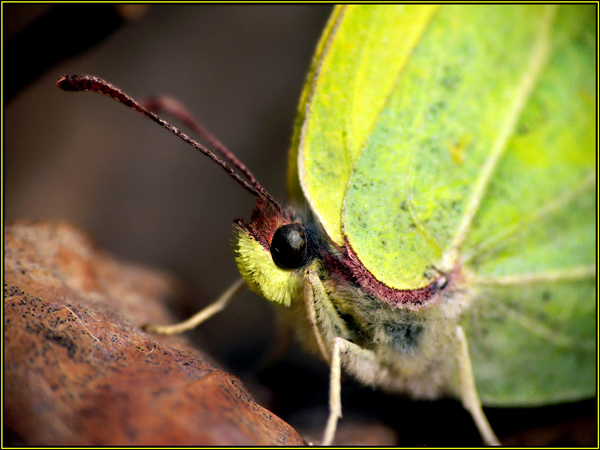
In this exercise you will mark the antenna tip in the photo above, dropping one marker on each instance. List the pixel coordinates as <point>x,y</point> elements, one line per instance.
<point>78,82</point>
<point>68,83</point>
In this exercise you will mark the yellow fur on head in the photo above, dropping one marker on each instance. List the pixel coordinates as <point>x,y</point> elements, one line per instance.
<point>260,272</point>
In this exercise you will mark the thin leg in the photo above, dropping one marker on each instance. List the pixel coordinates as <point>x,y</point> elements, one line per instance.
<point>201,315</point>
<point>468,391</point>
<point>311,294</point>
<point>330,332</point>
<point>325,322</point>
<point>351,355</point>
<point>335,390</point>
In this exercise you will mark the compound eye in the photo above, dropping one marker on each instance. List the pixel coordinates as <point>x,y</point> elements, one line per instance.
<point>288,247</point>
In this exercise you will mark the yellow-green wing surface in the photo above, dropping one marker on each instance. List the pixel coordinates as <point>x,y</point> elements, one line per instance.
<point>465,134</point>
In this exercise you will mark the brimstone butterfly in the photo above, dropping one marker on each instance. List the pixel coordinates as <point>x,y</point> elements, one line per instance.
<point>447,157</point>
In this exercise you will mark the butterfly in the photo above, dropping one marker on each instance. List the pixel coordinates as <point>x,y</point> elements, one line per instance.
<point>446,158</point>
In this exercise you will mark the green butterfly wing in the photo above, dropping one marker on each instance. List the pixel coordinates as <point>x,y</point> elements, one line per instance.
<point>430,135</point>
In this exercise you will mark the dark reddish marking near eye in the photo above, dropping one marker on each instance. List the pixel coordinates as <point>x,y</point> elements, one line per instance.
<point>264,221</point>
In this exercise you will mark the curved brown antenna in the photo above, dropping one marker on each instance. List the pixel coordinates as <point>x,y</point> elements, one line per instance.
<point>94,84</point>
<point>163,104</point>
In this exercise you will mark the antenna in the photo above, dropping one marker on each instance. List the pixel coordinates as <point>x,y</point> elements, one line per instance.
<point>88,83</point>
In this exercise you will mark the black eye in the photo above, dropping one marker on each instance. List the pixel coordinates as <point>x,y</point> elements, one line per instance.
<point>289,247</point>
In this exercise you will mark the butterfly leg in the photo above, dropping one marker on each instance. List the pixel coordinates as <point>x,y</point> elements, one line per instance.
<point>356,360</point>
<point>331,334</point>
<point>468,391</point>
<point>202,315</point>
<point>322,316</point>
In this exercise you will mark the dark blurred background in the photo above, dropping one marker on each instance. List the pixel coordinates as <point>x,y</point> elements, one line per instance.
<point>150,199</point>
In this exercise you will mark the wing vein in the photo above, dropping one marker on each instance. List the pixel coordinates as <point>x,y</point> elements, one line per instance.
<point>540,54</point>
<point>573,274</point>
<point>534,218</point>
